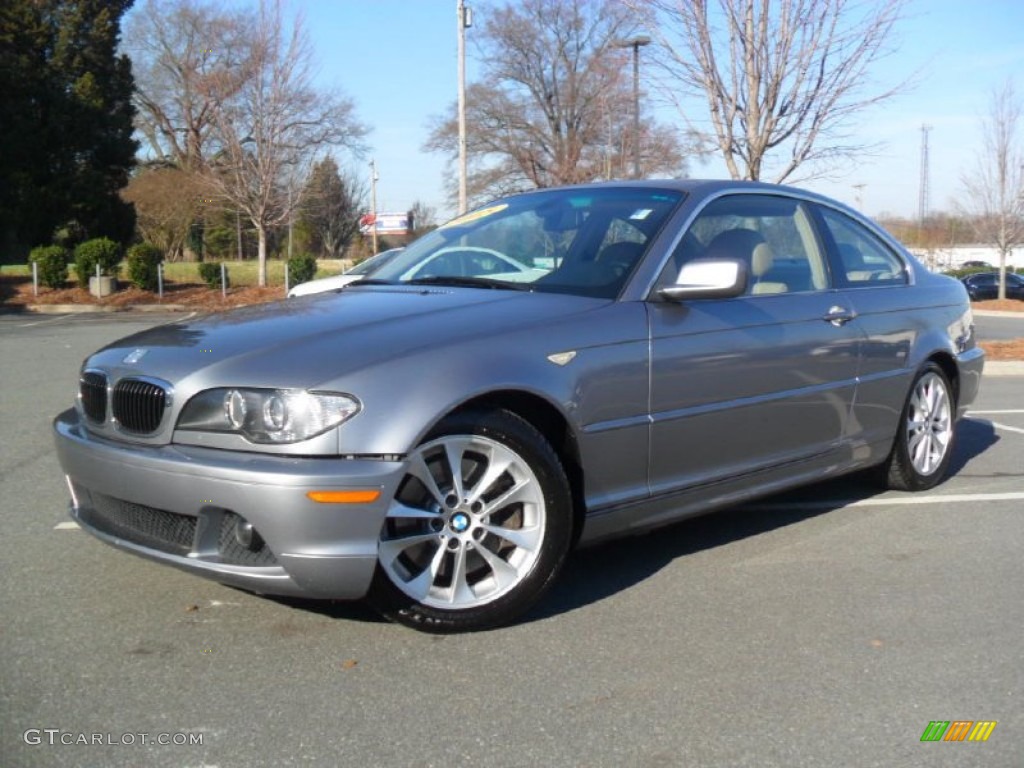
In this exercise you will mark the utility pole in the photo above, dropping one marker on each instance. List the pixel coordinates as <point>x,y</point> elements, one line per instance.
<point>465,20</point>
<point>922,201</point>
<point>635,43</point>
<point>373,202</point>
<point>291,220</point>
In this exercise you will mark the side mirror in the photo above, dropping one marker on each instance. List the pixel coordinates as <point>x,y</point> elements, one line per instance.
<point>708,279</point>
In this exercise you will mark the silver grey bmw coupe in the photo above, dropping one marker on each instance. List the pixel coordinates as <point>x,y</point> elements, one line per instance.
<point>438,437</point>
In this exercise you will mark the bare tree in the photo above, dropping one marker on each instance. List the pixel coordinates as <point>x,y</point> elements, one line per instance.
<point>995,187</point>
<point>167,201</point>
<point>188,57</point>
<point>422,217</point>
<point>782,78</point>
<point>554,101</point>
<point>275,125</point>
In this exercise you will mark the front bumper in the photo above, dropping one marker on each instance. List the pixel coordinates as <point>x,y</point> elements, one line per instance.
<point>182,506</point>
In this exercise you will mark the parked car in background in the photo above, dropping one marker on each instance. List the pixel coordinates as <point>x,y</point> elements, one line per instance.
<point>985,285</point>
<point>552,369</point>
<point>363,269</point>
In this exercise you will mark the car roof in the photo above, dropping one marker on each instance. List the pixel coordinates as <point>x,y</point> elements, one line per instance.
<point>695,187</point>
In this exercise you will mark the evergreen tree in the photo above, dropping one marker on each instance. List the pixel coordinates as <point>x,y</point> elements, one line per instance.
<point>66,126</point>
<point>329,213</point>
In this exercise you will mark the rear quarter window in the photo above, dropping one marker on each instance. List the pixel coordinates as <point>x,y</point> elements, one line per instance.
<point>863,259</point>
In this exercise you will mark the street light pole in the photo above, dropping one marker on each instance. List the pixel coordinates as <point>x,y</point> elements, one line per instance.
<point>373,203</point>
<point>465,20</point>
<point>635,43</point>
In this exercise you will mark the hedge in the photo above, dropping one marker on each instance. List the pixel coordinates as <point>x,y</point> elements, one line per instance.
<point>209,271</point>
<point>301,269</point>
<point>53,264</point>
<point>101,251</point>
<point>143,265</point>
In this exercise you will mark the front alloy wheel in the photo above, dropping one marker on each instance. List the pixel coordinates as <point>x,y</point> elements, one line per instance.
<point>478,528</point>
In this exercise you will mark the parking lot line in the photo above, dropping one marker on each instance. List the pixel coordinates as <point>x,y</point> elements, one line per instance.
<point>48,321</point>
<point>948,498</point>
<point>973,412</point>
<point>1006,427</point>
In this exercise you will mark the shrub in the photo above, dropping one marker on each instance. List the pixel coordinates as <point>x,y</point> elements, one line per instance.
<point>143,264</point>
<point>53,264</point>
<point>301,268</point>
<point>209,271</point>
<point>962,272</point>
<point>101,251</point>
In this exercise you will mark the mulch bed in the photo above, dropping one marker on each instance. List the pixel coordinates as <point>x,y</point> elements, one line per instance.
<point>17,291</point>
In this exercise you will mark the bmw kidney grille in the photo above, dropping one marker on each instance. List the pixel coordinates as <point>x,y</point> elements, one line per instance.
<point>138,405</point>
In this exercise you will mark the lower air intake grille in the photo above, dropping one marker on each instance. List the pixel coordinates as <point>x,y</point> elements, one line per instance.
<point>148,527</point>
<point>139,405</point>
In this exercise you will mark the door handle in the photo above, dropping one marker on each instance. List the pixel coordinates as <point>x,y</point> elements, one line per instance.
<point>839,316</point>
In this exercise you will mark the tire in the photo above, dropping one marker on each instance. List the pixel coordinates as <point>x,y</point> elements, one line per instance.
<point>923,447</point>
<point>452,560</point>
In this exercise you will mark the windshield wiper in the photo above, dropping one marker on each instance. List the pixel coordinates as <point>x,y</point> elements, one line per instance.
<point>470,282</point>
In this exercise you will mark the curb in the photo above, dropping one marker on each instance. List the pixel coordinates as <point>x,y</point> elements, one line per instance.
<point>1004,368</point>
<point>73,309</point>
<point>996,313</point>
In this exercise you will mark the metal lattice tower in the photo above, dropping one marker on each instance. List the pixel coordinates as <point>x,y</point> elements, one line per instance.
<point>922,201</point>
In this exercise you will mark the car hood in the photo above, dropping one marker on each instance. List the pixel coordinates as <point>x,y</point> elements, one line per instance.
<point>312,340</point>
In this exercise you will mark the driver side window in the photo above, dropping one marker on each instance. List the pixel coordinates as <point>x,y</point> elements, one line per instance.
<point>771,235</point>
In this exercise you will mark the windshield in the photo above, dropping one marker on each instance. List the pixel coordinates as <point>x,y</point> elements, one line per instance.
<point>372,264</point>
<point>582,241</point>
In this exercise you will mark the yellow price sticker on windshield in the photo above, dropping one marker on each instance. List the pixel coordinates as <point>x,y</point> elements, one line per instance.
<point>475,216</point>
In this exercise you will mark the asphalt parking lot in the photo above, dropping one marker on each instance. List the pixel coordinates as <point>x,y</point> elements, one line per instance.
<point>826,627</point>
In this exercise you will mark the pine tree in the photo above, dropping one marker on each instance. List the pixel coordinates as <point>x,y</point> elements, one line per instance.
<point>66,126</point>
<point>329,212</point>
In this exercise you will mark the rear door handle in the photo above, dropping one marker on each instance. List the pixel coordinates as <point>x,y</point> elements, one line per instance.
<point>839,316</point>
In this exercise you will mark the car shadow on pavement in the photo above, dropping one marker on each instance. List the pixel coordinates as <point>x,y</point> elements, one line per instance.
<point>346,610</point>
<point>973,438</point>
<point>599,572</point>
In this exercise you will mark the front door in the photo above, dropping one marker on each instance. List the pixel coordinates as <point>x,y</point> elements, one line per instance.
<point>759,381</point>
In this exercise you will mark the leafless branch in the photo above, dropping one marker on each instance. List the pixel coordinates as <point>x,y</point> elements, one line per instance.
<point>554,102</point>
<point>783,80</point>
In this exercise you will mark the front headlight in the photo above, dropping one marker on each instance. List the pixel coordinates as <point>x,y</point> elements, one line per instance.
<point>267,415</point>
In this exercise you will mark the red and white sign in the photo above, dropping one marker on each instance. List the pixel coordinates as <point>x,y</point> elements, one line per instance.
<point>384,223</point>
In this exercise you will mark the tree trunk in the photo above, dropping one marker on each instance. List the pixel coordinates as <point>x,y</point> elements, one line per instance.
<point>261,236</point>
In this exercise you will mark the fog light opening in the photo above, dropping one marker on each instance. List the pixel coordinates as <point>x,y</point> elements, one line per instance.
<point>247,536</point>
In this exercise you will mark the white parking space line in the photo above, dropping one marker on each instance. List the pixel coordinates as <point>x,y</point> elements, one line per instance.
<point>948,498</point>
<point>68,526</point>
<point>45,322</point>
<point>1006,427</point>
<point>994,413</point>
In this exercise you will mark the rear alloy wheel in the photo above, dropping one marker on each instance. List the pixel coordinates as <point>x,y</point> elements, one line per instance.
<point>478,528</point>
<point>924,444</point>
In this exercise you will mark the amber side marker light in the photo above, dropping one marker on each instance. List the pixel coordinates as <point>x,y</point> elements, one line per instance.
<point>344,497</point>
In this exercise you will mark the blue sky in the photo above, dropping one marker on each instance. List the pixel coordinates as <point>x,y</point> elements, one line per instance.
<point>397,60</point>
